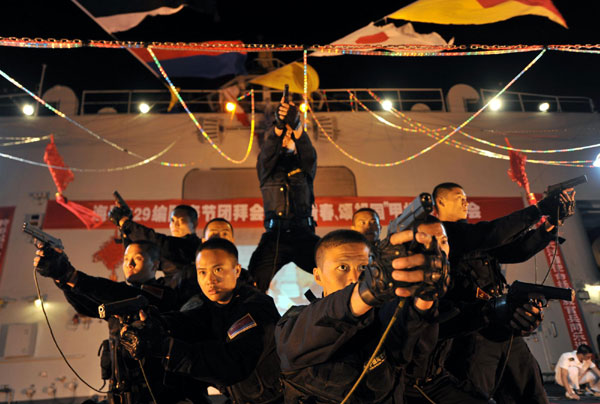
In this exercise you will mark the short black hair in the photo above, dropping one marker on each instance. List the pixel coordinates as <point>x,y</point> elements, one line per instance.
<point>584,349</point>
<point>442,188</point>
<point>335,239</point>
<point>371,211</point>
<point>148,248</point>
<point>188,211</point>
<point>217,219</point>
<point>430,219</point>
<point>219,244</point>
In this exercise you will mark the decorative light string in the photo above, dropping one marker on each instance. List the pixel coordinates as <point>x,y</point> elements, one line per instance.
<point>21,140</point>
<point>193,118</point>
<point>92,170</point>
<point>441,140</point>
<point>305,59</point>
<point>452,142</point>
<point>64,116</point>
<point>486,142</point>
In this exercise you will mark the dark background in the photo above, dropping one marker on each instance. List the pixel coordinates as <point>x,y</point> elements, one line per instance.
<point>308,22</point>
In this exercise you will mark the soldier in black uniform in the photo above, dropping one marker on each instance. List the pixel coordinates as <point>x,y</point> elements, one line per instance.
<point>476,253</point>
<point>286,167</point>
<point>227,341</point>
<point>366,221</point>
<point>325,346</point>
<point>85,293</point>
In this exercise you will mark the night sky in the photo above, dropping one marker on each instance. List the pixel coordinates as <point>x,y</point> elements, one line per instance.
<point>557,73</point>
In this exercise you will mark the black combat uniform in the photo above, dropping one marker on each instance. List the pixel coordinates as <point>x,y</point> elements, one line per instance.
<point>127,384</point>
<point>286,182</point>
<point>476,251</point>
<point>177,256</point>
<point>229,346</point>
<point>323,349</point>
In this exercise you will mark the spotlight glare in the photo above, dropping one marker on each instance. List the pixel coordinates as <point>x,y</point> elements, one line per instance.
<point>544,106</point>
<point>37,303</point>
<point>144,108</point>
<point>387,105</point>
<point>28,109</point>
<point>303,107</point>
<point>496,104</point>
<point>597,161</point>
<point>230,106</point>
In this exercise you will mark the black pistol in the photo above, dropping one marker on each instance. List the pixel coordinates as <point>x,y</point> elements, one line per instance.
<point>125,309</point>
<point>42,236</point>
<point>416,211</point>
<point>522,291</point>
<point>120,201</point>
<point>561,186</point>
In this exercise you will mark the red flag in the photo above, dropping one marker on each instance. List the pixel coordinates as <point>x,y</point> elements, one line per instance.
<point>62,178</point>
<point>111,255</point>
<point>517,173</point>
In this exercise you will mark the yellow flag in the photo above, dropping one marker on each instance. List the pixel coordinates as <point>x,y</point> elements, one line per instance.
<point>476,11</point>
<point>292,74</point>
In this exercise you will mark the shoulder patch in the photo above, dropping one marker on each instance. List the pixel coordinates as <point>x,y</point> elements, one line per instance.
<point>242,325</point>
<point>571,359</point>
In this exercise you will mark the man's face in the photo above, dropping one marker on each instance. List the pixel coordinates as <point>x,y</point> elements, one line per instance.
<point>180,224</point>
<point>585,357</point>
<point>219,230</point>
<point>437,230</point>
<point>452,206</point>
<point>367,224</point>
<point>341,266</point>
<point>217,274</point>
<point>287,141</point>
<point>138,267</point>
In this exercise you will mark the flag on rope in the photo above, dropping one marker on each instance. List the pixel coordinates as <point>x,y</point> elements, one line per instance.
<point>387,35</point>
<point>517,173</point>
<point>476,11</point>
<point>204,64</point>
<point>62,177</point>
<point>292,74</point>
<point>120,15</point>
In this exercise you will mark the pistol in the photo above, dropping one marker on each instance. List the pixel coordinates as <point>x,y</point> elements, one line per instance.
<point>42,236</point>
<point>417,211</point>
<point>522,291</point>
<point>561,186</point>
<point>120,201</point>
<point>286,93</point>
<point>123,308</point>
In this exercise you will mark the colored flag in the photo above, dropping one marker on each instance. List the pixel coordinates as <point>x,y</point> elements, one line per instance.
<point>387,35</point>
<point>292,74</point>
<point>119,15</point>
<point>476,11</point>
<point>197,63</point>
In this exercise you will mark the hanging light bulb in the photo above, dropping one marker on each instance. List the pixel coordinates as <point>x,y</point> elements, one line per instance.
<point>496,104</point>
<point>144,108</point>
<point>387,105</point>
<point>303,107</point>
<point>28,109</point>
<point>230,106</point>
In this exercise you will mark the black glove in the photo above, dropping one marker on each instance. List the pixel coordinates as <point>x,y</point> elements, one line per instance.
<point>144,338</point>
<point>280,123</point>
<point>55,265</point>
<point>117,213</point>
<point>520,318</point>
<point>557,207</point>
<point>376,284</point>
<point>293,117</point>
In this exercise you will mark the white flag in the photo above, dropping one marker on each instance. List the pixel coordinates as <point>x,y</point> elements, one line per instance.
<point>372,37</point>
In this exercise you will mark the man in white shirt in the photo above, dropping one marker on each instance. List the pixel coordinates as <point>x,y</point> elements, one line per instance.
<point>575,369</point>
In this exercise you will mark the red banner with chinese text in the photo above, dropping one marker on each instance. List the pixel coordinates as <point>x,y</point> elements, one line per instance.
<point>248,212</point>
<point>571,310</point>
<point>6,216</point>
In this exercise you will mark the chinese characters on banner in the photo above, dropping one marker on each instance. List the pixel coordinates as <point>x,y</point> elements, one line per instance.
<point>571,310</point>
<point>248,212</point>
<point>6,216</point>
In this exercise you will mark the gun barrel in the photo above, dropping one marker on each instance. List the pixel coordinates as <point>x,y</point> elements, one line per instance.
<point>549,292</point>
<point>119,199</point>
<point>567,184</point>
<point>42,236</point>
<point>123,307</point>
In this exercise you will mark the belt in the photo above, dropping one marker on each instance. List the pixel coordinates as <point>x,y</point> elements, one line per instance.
<point>286,224</point>
<point>420,381</point>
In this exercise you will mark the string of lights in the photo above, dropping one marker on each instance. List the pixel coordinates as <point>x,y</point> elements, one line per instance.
<point>92,170</point>
<point>452,142</point>
<point>442,139</point>
<point>411,122</point>
<point>69,119</point>
<point>21,140</point>
<point>195,121</point>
